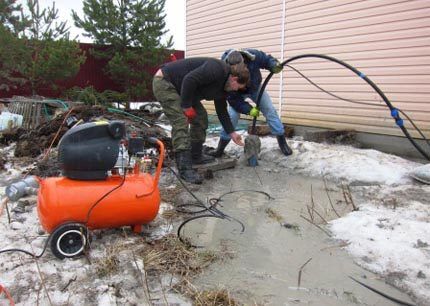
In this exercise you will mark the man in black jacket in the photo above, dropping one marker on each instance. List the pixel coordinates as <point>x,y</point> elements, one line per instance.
<point>180,86</point>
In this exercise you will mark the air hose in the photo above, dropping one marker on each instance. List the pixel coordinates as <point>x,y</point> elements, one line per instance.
<point>395,113</point>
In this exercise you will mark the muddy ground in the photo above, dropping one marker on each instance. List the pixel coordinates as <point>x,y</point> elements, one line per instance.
<point>285,255</point>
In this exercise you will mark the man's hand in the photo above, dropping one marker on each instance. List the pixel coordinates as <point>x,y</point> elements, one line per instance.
<point>190,113</point>
<point>254,112</point>
<point>277,68</point>
<point>237,139</point>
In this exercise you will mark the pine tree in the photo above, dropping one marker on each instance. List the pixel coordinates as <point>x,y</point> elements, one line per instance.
<point>11,16</point>
<point>13,56</point>
<point>130,31</point>
<point>35,48</point>
<point>13,53</point>
<point>54,56</point>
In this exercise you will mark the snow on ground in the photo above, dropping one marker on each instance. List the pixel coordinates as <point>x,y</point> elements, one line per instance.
<point>75,281</point>
<point>336,162</point>
<point>393,242</point>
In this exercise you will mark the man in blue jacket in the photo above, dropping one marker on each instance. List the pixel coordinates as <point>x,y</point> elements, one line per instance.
<point>254,60</point>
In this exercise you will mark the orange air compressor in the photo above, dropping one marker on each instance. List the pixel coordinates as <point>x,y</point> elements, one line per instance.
<point>100,187</point>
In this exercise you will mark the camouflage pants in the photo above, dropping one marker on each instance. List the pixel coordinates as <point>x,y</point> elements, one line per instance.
<point>182,132</point>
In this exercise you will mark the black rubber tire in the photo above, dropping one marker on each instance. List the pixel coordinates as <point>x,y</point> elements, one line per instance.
<point>69,240</point>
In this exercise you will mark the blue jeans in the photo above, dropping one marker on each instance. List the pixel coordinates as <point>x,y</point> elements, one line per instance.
<point>269,112</point>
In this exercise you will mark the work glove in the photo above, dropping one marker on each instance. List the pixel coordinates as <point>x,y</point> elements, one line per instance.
<point>190,113</point>
<point>254,112</point>
<point>277,68</point>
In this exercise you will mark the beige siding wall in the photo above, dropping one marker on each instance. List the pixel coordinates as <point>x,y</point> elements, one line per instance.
<point>214,26</point>
<point>388,40</point>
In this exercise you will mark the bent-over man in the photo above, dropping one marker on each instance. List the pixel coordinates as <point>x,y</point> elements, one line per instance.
<point>180,86</point>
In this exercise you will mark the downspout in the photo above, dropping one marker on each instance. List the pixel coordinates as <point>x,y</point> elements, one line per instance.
<point>281,78</point>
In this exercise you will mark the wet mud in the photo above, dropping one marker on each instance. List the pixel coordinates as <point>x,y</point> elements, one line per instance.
<point>285,255</point>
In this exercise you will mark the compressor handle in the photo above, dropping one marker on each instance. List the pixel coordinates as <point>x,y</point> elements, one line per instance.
<point>159,165</point>
<point>160,160</point>
<point>152,140</point>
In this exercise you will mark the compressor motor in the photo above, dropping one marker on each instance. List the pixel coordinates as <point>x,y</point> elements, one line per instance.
<point>90,150</point>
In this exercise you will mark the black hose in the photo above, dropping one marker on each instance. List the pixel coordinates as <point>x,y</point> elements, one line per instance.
<point>191,219</point>
<point>28,252</point>
<point>212,211</point>
<point>105,195</point>
<point>269,197</point>
<point>394,111</point>
<point>214,201</point>
<point>382,293</point>
<point>360,102</point>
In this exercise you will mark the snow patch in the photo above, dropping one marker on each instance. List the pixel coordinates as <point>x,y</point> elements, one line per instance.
<point>390,241</point>
<point>336,162</point>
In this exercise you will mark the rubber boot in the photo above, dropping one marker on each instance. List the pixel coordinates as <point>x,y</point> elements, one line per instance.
<point>286,150</point>
<point>186,172</point>
<point>222,144</point>
<point>198,156</point>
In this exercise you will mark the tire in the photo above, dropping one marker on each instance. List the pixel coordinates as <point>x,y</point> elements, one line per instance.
<point>69,240</point>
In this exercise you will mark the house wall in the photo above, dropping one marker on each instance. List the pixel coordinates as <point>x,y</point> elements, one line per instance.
<point>388,40</point>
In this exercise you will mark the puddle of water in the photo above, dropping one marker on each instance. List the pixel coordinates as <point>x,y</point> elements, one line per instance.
<point>267,256</point>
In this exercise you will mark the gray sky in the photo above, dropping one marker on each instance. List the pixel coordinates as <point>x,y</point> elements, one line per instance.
<point>174,9</point>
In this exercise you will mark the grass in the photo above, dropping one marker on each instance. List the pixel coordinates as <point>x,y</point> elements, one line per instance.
<point>169,255</point>
<point>218,297</point>
<point>108,264</point>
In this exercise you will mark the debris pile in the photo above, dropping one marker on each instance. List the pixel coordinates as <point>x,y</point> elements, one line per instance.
<point>36,142</point>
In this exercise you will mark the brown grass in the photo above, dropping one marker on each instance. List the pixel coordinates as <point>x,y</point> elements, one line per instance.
<point>218,297</point>
<point>109,264</point>
<point>169,255</point>
<point>214,297</point>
